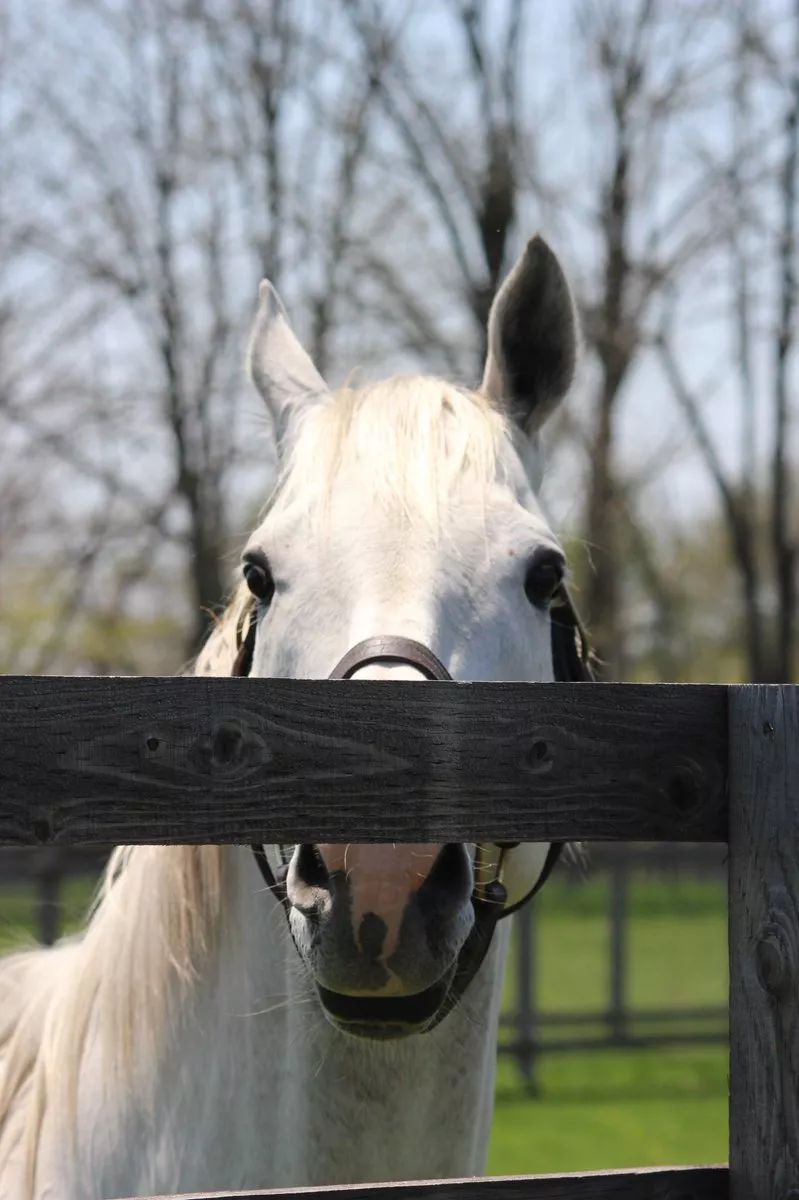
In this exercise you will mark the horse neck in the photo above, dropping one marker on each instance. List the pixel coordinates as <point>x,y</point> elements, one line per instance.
<point>250,1052</point>
<point>316,1106</point>
<point>418,1108</point>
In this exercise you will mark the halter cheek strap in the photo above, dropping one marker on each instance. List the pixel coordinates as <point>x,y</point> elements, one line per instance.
<point>242,665</point>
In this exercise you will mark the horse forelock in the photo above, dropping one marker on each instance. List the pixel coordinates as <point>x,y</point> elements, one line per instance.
<point>402,442</point>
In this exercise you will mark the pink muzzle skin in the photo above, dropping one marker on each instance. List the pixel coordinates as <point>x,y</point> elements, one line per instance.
<point>382,879</point>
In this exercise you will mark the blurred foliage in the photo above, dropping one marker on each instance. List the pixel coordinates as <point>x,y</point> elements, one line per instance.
<point>41,633</point>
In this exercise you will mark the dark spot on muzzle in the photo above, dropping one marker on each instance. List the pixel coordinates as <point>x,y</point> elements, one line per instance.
<point>338,961</point>
<point>372,935</point>
<point>429,933</point>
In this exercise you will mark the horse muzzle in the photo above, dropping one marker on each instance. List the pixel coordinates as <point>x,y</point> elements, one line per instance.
<point>381,929</point>
<point>393,935</point>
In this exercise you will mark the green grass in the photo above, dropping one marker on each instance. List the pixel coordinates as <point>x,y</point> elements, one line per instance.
<point>602,1110</point>
<point>592,1110</point>
<point>596,1110</point>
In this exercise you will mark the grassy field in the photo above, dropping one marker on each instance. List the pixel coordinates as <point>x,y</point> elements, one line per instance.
<point>593,1109</point>
<point>600,1110</point>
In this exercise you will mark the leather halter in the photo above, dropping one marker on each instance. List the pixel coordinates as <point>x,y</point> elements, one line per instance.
<point>390,649</point>
<point>489,901</point>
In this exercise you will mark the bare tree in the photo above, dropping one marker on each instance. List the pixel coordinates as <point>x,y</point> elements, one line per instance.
<point>202,144</point>
<point>651,70</point>
<point>756,499</point>
<point>469,174</point>
<point>784,516</point>
<point>116,224</point>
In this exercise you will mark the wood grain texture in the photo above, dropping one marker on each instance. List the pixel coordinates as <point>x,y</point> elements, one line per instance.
<point>764,943</point>
<point>239,760</point>
<point>668,1183</point>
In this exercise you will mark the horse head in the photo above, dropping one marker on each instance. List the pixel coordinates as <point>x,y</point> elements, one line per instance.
<point>404,541</point>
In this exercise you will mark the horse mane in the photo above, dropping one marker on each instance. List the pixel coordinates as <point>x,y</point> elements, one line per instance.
<point>118,977</point>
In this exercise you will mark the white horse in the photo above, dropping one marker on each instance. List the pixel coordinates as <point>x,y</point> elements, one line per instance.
<point>209,1032</point>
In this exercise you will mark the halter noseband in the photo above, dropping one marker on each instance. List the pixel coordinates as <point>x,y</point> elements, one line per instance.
<point>390,649</point>
<point>489,901</point>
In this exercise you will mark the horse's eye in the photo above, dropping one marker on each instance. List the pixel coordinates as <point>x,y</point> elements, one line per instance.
<point>258,578</point>
<point>544,576</point>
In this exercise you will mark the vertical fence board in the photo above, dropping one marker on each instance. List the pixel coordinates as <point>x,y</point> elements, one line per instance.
<point>49,878</point>
<point>764,942</point>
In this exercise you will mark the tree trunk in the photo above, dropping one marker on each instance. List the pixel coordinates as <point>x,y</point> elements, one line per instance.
<point>207,585</point>
<point>783,535</point>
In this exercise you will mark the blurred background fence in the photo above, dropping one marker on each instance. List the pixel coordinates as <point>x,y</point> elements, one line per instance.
<point>624,876</point>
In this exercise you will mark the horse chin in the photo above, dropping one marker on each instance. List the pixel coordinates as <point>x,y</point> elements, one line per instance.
<point>385,1018</point>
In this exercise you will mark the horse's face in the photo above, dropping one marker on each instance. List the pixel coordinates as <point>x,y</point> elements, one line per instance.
<point>408,509</point>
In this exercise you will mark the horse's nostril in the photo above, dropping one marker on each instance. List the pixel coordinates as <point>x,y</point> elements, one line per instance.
<point>372,935</point>
<point>449,884</point>
<point>310,866</point>
<point>308,880</point>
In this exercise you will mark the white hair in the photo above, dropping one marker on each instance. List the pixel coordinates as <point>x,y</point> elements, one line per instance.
<point>158,909</point>
<point>155,918</point>
<point>407,440</point>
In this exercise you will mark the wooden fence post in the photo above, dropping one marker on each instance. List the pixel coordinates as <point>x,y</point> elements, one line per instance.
<point>526,1024</point>
<point>48,874</point>
<point>764,942</point>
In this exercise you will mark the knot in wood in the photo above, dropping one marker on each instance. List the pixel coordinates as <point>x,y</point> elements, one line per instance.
<point>227,742</point>
<point>683,786</point>
<point>234,748</point>
<point>42,830</point>
<point>776,950</point>
<point>538,755</point>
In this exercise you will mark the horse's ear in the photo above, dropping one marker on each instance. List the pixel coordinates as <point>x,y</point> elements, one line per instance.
<point>279,366</point>
<point>532,338</point>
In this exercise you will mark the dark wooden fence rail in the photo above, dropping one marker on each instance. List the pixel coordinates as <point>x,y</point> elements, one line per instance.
<point>196,760</point>
<point>239,760</point>
<point>669,1183</point>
